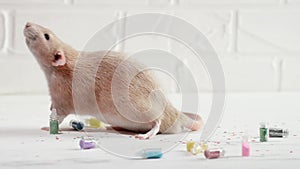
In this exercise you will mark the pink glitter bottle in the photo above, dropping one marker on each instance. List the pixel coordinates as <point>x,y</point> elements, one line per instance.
<point>245,147</point>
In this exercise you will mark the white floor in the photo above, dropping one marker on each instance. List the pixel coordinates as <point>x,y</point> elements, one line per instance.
<point>24,145</point>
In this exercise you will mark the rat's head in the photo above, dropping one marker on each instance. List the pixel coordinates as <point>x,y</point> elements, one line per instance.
<point>43,43</point>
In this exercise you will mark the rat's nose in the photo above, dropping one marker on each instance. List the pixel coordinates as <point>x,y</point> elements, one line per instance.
<point>28,24</point>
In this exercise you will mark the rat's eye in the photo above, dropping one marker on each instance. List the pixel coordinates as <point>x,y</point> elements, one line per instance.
<point>47,37</point>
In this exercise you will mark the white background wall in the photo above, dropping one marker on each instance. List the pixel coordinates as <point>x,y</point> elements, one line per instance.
<point>258,41</point>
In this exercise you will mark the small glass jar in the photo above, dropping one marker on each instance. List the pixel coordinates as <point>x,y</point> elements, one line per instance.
<point>196,148</point>
<point>263,132</point>
<point>214,153</point>
<point>77,125</point>
<point>53,122</point>
<point>279,133</point>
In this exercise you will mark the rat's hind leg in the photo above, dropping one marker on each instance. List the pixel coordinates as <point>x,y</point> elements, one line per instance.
<point>61,118</point>
<point>150,133</point>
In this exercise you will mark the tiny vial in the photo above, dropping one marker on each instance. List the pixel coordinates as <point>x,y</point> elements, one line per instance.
<point>198,148</point>
<point>87,144</point>
<point>263,132</point>
<point>214,153</point>
<point>189,146</point>
<point>152,153</point>
<point>278,133</point>
<point>94,123</point>
<point>245,147</point>
<point>53,122</point>
<point>77,125</point>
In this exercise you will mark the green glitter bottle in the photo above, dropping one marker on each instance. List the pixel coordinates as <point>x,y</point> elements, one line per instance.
<point>53,122</point>
<point>263,132</point>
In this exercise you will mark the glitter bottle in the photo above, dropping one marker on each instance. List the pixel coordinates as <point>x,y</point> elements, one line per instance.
<point>53,122</point>
<point>279,133</point>
<point>94,123</point>
<point>77,125</point>
<point>198,148</point>
<point>87,144</point>
<point>263,132</point>
<point>152,153</point>
<point>214,153</point>
<point>245,147</point>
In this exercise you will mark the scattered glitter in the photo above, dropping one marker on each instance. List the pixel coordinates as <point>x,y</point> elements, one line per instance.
<point>182,142</point>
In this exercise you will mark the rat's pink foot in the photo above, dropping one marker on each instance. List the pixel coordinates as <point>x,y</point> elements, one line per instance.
<point>150,133</point>
<point>142,136</point>
<point>194,122</point>
<point>45,128</point>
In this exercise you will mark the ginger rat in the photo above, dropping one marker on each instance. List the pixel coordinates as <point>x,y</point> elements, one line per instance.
<point>138,106</point>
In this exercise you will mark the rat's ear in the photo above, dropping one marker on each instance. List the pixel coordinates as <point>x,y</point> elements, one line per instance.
<point>59,59</point>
